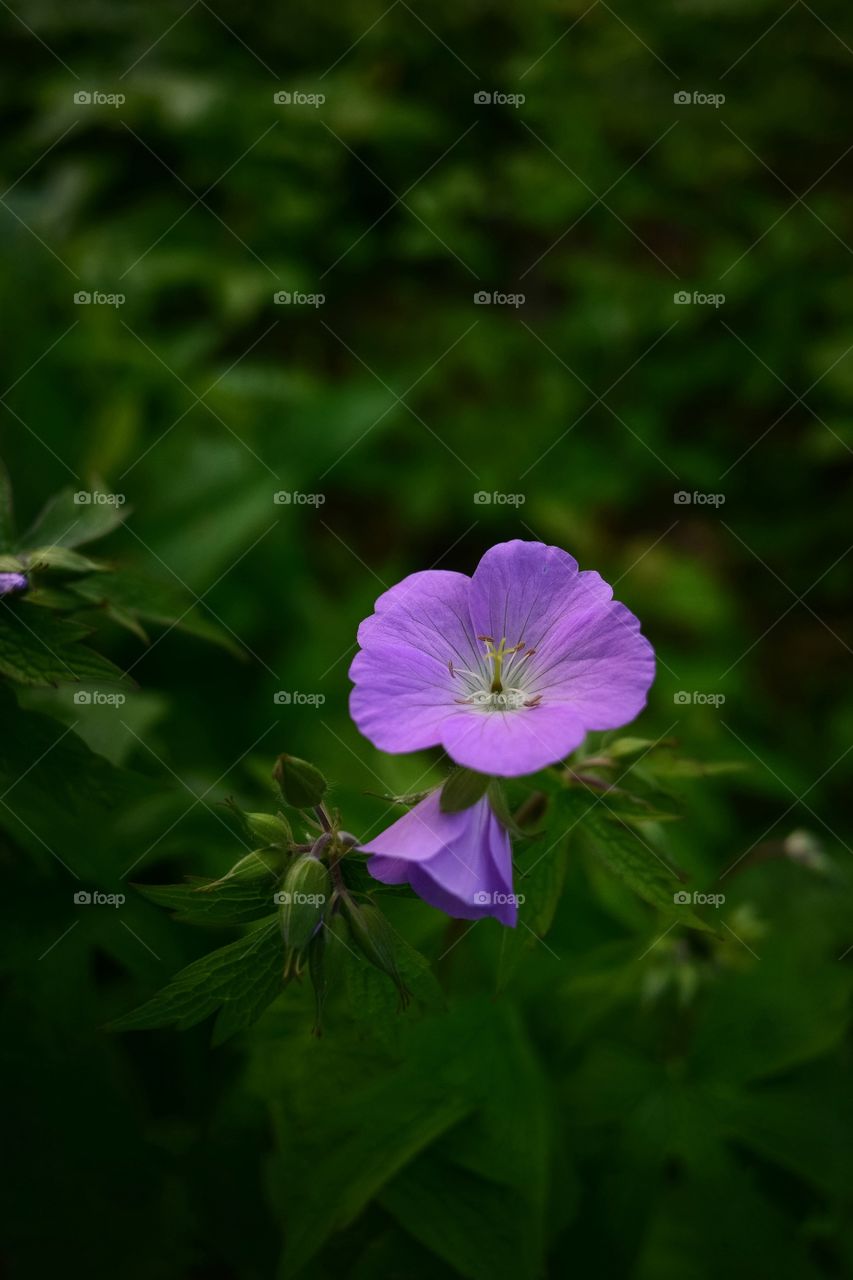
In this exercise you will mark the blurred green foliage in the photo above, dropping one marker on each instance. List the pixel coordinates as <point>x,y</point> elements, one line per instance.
<point>643,1105</point>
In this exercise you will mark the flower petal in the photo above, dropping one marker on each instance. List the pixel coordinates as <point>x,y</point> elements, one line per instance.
<point>511,743</point>
<point>599,665</point>
<point>460,863</point>
<point>403,685</point>
<point>522,590</point>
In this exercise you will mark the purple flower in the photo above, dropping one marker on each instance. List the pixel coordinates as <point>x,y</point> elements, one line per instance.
<point>507,670</point>
<point>13,583</point>
<point>458,862</point>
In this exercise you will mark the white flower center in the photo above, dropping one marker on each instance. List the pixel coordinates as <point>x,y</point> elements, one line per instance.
<point>499,682</point>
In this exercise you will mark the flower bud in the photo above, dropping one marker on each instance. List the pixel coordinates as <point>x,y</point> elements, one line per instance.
<point>302,784</point>
<point>253,866</point>
<point>302,900</point>
<point>269,830</point>
<point>374,937</point>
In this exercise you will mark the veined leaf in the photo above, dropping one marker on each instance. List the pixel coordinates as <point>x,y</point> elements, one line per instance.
<point>66,523</point>
<point>627,854</point>
<point>240,979</point>
<point>38,648</point>
<point>215,902</point>
<point>133,595</point>
<point>60,558</point>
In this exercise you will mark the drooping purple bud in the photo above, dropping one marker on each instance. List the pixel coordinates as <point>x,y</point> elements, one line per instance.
<point>13,583</point>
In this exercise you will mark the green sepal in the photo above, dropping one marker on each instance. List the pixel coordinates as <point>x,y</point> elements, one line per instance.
<point>462,789</point>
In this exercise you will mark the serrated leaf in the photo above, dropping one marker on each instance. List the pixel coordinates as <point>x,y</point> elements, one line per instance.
<point>56,598</point>
<point>373,995</point>
<point>133,595</point>
<point>215,902</point>
<point>240,979</point>
<point>38,648</point>
<point>628,854</point>
<point>61,800</point>
<point>66,523</point>
<point>62,559</point>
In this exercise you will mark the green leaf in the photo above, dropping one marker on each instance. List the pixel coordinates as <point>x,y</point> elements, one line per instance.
<point>62,559</point>
<point>7,515</point>
<point>66,523</point>
<point>541,888</point>
<point>348,1121</point>
<point>131,595</point>
<point>627,854</point>
<point>215,902</point>
<point>372,994</point>
<point>240,979</point>
<point>463,789</point>
<point>60,801</point>
<point>38,648</point>
<point>477,1197</point>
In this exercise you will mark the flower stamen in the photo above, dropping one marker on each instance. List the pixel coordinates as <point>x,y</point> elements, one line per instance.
<point>496,657</point>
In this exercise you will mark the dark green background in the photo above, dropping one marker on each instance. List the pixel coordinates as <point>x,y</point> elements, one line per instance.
<point>649,1108</point>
